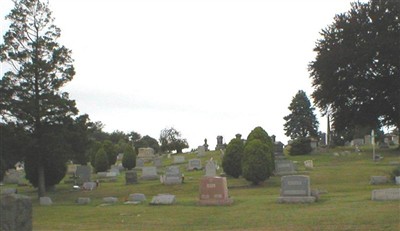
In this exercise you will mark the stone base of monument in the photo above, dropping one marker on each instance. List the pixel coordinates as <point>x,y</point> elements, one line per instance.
<point>309,199</point>
<point>216,202</point>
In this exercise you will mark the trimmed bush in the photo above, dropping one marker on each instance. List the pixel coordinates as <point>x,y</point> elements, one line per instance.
<point>101,161</point>
<point>255,161</point>
<point>260,134</point>
<point>129,158</point>
<point>300,146</point>
<point>232,160</point>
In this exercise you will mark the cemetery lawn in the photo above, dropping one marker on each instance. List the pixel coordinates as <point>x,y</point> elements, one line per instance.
<point>347,205</point>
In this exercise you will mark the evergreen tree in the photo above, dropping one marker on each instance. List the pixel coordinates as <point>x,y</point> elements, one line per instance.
<point>129,158</point>
<point>301,122</point>
<point>101,161</point>
<point>232,160</point>
<point>30,91</point>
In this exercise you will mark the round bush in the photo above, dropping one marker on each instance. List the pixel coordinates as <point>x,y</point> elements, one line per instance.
<point>256,162</point>
<point>101,161</point>
<point>232,160</point>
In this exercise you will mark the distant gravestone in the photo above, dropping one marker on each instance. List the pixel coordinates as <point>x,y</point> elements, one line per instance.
<point>149,173</point>
<point>101,174</point>
<point>7,191</point>
<point>45,201</point>
<point>83,200</point>
<point>163,199</point>
<point>379,180</point>
<point>179,159</point>
<point>15,213</point>
<point>157,162</point>
<point>214,191</point>
<point>367,139</point>
<point>194,164</point>
<point>357,142</point>
<point>220,144</point>
<point>131,177</point>
<point>83,174</point>
<point>12,176</point>
<point>386,194</point>
<point>201,151</point>
<point>397,179</point>
<point>147,154</point>
<point>89,186</point>
<point>173,175</point>
<point>309,164</point>
<point>139,163</point>
<point>211,168</point>
<point>296,189</point>
<point>383,145</point>
<point>71,169</point>
<point>284,167</point>
<point>115,169</point>
<point>110,200</point>
<point>137,197</point>
<point>278,150</point>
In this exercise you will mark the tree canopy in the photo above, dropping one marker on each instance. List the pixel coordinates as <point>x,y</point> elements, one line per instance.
<point>301,122</point>
<point>171,140</point>
<point>356,72</point>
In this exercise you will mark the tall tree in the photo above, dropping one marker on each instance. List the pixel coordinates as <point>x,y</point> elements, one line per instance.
<point>171,140</point>
<point>301,122</point>
<point>30,91</point>
<point>356,71</point>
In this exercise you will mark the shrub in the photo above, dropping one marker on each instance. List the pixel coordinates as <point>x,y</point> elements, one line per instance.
<point>255,161</point>
<point>111,150</point>
<point>101,161</point>
<point>129,159</point>
<point>232,160</point>
<point>395,172</point>
<point>260,134</point>
<point>300,146</point>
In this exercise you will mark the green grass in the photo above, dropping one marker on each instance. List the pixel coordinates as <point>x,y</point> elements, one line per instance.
<point>346,206</point>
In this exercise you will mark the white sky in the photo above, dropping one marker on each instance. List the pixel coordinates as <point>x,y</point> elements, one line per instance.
<point>206,68</point>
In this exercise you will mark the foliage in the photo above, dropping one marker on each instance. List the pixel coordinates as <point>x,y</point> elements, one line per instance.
<point>300,146</point>
<point>3,168</point>
<point>129,158</point>
<point>101,161</point>
<point>395,172</point>
<point>356,73</point>
<point>79,132</point>
<point>111,150</point>
<point>14,143</point>
<point>147,142</point>
<point>260,134</point>
<point>232,160</point>
<point>255,161</point>
<point>30,91</point>
<point>171,140</point>
<point>95,146</point>
<point>301,122</point>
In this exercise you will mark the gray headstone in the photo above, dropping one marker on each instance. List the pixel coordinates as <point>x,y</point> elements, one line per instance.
<point>387,194</point>
<point>112,174</point>
<point>83,174</point>
<point>15,213</point>
<point>131,177</point>
<point>147,154</point>
<point>12,176</point>
<point>278,150</point>
<point>201,151</point>
<point>45,201</point>
<point>149,173</point>
<point>211,168</point>
<point>139,163</point>
<point>8,191</point>
<point>284,167</point>
<point>296,189</point>
<point>309,164</point>
<point>173,175</point>
<point>115,170</point>
<point>83,200</point>
<point>139,197</point>
<point>194,164</point>
<point>379,180</point>
<point>101,174</point>
<point>110,200</point>
<point>89,186</point>
<point>179,159</point>
<point>163,199</point>
<point>397,179</point>
<point>157,162</point>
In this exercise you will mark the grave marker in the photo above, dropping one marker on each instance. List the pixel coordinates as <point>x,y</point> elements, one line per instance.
<point>214,191</point>
<point>387,194</point>
<point>296,189</point>
<point>284,167</point>
<point>194,164</point>
<point>16,212</point>
<point>149,173</point>
<point>211,168</point>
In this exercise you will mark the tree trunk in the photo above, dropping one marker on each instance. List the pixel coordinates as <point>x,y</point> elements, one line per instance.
<point>41,180</point>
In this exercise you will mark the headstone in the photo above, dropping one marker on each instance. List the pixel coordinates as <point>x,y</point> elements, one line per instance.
<point>194,164</point>
<point>211,168</point>
<point>379,180</point>
<point>149,173</point>
<point>179,159</point>
<point>284,167</point>
<point>220,144</point>
<point>111,174</point>
<point>367,139</point>
<point>296,189</point>
<point>83,200</point>
<point>15,213</point>
<point>110,200</point>
<point>157,162</point>
<point>138,197</point>
<point>9,191</point>
<point>314,144</point>
<point>387,194</point>
<point>101,174</point>
<point>45,201</point>
<point>309,164</point>
<point>205,145</point>
<point>397,179</point>
<point>120,156</point>
<point>383,145</point>
<point>201,151</point>
<point>163,199</point>
<point>83,174</point>
<point>89,186</point>
<point>131,177</point>
<point>278,150</point>
<point>71,169</point>
<point>214,191</point>
<point>139,163</point>
<point>13,176</point>
<point>358,142</point>
<point>173,175</point>
<point>147,154</point>
<point>115,170</point>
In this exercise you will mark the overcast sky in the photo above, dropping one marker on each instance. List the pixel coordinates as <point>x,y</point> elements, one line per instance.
<point>206,68</point>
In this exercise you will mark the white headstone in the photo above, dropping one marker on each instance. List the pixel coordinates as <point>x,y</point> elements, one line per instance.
<point>211,168</point>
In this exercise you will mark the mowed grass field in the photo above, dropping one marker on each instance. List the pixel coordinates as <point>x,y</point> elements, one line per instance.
<point>347,205</point>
